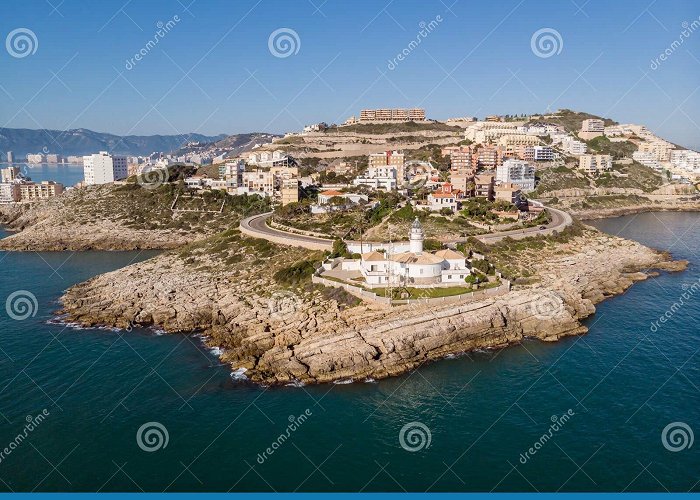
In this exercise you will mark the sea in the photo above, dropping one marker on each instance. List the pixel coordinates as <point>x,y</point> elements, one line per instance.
<point>69,174</point>
<point>92,409</point>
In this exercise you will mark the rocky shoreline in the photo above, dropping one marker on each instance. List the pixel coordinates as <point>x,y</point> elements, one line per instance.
<point>279,335</point>
<point>606,213</point>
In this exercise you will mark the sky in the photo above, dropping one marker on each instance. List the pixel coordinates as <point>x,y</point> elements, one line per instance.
<point>274,66</point>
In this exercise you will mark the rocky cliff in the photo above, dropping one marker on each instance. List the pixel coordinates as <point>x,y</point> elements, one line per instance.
<point>305,333</point>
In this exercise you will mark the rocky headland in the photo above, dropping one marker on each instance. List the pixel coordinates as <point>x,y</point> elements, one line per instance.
<point>281,329</point>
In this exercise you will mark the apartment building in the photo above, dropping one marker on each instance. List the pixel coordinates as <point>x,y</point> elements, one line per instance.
<point>461,161</point>
<point>574,147</point>
<point>591,128</point>
<point>647,159</point>
<point>35,158</point>
<point>380,165</point>
<point>661,150</point>
<point>517,172</point>
<point>686,159</point>
<point>538,153</point>
<point>32,191</point>
<point>258,181</point>
<point>510,193</point>
<point>9,193</point>
<point>463,181</point>
<point>487,157</point>
<point>484,186</point>
<point>102,168</point>
<point>289,191</point>
<point>518,139</point>
<point>9,174</point>
<point>594,164</point>
<point>10,157</point>
<point>389,115</point>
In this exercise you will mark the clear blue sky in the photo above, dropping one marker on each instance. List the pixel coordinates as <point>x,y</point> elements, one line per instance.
<point>477,61</point>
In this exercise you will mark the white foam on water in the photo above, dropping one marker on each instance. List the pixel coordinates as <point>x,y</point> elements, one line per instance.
<point>295,383</point>
<point>239,374</point>
<point>344,381</point>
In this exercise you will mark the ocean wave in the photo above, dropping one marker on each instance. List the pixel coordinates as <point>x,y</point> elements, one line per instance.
<point>344,381</point>
<point>239,374</point>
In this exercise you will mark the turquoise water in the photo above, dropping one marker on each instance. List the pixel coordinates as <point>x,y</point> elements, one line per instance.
<point>623,383</point>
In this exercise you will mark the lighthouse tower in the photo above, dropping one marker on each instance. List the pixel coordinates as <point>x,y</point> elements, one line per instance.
<point>416,237</point>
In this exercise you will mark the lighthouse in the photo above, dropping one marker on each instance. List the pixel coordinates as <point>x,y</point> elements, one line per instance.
<point>416,237</point>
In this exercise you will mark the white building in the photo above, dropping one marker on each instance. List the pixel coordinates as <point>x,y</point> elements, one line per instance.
<point>595,164</point>
<point>517,172</point>
<point>686,159</point>
<point>378,177</point>
<point>102,168</point>
<point>574,147</point>
<point>647,159</point>
<point>414,267</point>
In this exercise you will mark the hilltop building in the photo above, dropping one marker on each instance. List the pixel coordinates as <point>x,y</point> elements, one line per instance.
<point>392,115</point>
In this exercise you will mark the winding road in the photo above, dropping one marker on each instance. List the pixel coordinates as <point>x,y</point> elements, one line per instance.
<point>256,227</point>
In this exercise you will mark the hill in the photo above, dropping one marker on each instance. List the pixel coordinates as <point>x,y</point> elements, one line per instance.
<point>83,141</point>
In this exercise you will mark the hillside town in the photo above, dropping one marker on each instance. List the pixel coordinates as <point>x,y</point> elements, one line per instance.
<point>438,168</point>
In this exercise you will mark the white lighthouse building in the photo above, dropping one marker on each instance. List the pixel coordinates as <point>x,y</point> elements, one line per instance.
<point>415,267</point>
<point>416,237</point>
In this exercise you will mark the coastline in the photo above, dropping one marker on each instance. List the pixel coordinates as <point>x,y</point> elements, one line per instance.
<point>278,334</point>
<point>303,337</point>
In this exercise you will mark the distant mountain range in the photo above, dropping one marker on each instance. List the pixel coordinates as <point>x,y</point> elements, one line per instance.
<point>82,141</point>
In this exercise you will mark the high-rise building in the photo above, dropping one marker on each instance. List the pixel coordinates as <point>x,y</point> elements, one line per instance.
<point>10,157</point>
<point>102,168</point>
<point>9,174</point>
<point>594,164</point>
<point>516,172</point>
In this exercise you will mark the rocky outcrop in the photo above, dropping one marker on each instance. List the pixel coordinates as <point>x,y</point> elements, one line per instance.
<point>281,335</point>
